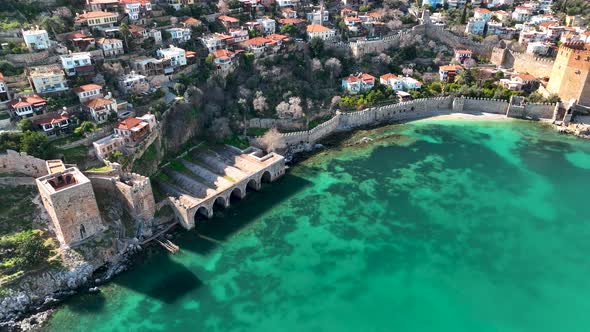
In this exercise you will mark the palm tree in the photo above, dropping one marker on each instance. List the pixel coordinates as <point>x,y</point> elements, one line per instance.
<point>124,30</point>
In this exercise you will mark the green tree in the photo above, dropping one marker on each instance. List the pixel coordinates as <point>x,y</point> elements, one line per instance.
<point>31,248</point>
<point>35,143</point>
<point>117,156</point>
<point>317,46</point>
<point>124,30</point>
<point>54,24</point>
<point>26,125</point>
<point>84,128</point>
<point>289,29</point>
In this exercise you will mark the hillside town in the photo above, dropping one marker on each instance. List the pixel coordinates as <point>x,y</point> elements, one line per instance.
<point>172,107</point>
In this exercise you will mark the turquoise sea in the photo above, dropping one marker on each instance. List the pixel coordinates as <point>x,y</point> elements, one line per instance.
<point>449,225</point>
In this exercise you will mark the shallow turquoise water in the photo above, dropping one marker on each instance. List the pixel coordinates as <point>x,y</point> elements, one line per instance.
<point>436,226</point>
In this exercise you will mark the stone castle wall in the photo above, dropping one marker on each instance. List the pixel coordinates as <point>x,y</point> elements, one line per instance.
<point>415,109</point>
<point>13,162</point>
<point>522,62</point>
<point>134,190</point>
<point>362,47</point>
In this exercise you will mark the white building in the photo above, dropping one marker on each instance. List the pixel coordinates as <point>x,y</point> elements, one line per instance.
<point>134,8</point>
<point>87,92</point>
<point>131,81</point>
<point>110,46</point>
<point>521,14</point>
<point>400,83</point>
<point>215,41</point>
<point>317,16</point>
<point>127,132</point>
<point>75,63</point>
<point>176,55</point>
<point>538,48</point>
<point>48,79</point>
<point>36,39</point>
<point>268,25</point>
<point>179,35</point>
<point>100,108</point>
<point>319,31</point>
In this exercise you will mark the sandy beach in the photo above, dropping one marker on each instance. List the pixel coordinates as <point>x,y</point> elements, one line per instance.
<point>470,116</point>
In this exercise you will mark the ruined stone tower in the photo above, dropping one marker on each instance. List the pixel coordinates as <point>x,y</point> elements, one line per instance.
<point>570,77</point>
<point>69,199</point>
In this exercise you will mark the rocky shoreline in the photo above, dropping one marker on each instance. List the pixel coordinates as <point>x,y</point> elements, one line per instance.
<point>32,304</point>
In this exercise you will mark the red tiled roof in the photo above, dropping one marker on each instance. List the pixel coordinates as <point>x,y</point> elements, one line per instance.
<point>223,54</point>
<point>128,123</point>
<point>1,77</point>
<point>482,10</point>
<point>56,118</point>
<point>548,24</point>
<point>87,87</point>
<point>276,36</point>
<point>256,41</point>
<point>451,68</point>
<point>291,21</point>
<point>192,20</point>
<point>316,28</point>
<point>229,19</point>
<point>463,52</point>
<point>526,77</point>
<point>97,102</point>
<point>88,15</point>
<point>388,76</point>
<point>27,101</point>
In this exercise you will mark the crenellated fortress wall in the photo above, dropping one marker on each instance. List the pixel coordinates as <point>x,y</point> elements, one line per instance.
<point>415,109</point>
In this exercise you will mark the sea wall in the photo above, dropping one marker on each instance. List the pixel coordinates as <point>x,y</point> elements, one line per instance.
<point>13,162</point>
<point>415,109</point>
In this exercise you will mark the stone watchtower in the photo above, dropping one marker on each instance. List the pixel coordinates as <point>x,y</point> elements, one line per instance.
<point>69,199</point>
<point>570,77</point>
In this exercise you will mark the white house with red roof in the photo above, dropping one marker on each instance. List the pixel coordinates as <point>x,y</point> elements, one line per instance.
<point>191,22</point>
<point>228,21</point>
<point>110,46</point>
<point>447,73</point>
<point>54,125</point>
<point>95,19</point>
<point>319,31</point>
<point>27,106</point>
<point>88,91</point>
<point>519,82</point>
<point>463,54</point>
<point>358,83</point>
<point>127,132</point>
<point>100,108</point>
<point>398,83</point>
<point>223,59</point>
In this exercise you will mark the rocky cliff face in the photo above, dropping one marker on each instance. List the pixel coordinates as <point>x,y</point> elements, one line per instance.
<point>181,123</point>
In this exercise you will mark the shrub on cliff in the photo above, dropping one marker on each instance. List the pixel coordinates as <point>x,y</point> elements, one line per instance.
<point>24,250</point>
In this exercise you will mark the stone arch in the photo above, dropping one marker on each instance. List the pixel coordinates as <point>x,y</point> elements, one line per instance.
<point>266,177</point>
<point>253,184</point>
<point>204,212</point>
<point>237,192</point>
<point>221,201</point>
